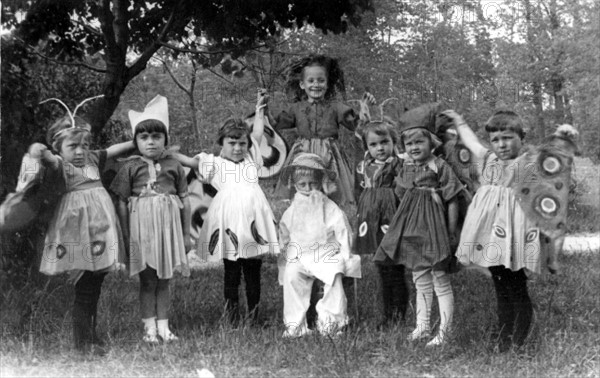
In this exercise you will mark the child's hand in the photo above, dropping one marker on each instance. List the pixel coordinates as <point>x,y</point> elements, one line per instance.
<point>456,118</point>
<point>262,98</point>
<point>368,98</point>
<point>37,150</point>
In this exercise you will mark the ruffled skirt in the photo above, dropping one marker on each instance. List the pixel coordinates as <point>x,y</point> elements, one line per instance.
<point>497,232</point>
<point>84,234</point>
<point>239,224</point>
<point>156,235</point>
<point>418,236</point>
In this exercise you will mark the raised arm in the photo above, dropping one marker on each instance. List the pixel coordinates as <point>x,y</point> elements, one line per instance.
<point>466,135</point>
<point>119,149</point>
<point>258,128</point>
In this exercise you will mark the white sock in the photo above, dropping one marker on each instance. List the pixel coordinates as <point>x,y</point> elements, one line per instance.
<point>443,290</point>
<point>163,327</point>
<point>424,284</point>
<point>150,325</point>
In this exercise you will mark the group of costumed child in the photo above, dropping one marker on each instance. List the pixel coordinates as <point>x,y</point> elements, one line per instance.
<point>407,215</point>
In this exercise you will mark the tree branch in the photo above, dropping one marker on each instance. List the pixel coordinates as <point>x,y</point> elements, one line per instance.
<point>219,75</point>
<point>175,79</point>
<point>64,63</point>
<point>140,64</point>
<point>200,52</point>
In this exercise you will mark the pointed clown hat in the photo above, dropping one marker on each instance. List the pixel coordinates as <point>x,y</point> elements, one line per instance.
<point>157,108</point>
<point>273,149</point>
<point>424,117</point>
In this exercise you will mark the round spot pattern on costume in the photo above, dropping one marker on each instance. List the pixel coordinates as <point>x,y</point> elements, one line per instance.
<point>98,248</point>
<point>532,235</point>
<point>362,230</point>
<point>551,165</point>
<point>548,205</point>
<point>61,251</point>
<point>499,231</point>
<point>464,155</point>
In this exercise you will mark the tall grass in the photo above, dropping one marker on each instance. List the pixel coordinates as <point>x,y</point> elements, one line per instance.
<point>565,340</point>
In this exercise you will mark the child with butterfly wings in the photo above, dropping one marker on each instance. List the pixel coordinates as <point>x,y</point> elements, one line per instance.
<point>510,231</point>
<point>83,237</point>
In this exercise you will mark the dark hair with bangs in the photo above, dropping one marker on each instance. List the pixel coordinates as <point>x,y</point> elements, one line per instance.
<point>505,120</point>
<point>151,126</point>
<point>381,128</point>
<point>234,128</point>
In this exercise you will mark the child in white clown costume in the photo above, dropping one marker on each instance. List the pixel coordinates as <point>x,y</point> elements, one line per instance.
<point>155,214</point>
<point>317,238</point>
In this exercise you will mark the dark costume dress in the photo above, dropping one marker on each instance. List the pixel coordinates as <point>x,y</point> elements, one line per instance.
<point>318,125</point>
<point>376,208</point>
<point>377,203</point>
<point>418,235</point>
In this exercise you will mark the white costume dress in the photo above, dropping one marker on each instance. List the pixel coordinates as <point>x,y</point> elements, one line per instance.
<point>239,222</point>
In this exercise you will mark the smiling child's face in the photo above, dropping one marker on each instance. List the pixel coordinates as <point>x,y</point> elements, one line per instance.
<point>418,147</point>
<point>314,82</point>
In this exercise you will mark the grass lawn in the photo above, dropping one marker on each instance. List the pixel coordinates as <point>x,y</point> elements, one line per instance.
<point>565,340</point>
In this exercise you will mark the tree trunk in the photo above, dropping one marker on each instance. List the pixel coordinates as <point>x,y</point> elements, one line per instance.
<point>540,127</point>
<point>536,83</point>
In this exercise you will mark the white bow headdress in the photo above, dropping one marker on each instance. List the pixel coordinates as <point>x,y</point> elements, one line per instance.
<point>157,108</point>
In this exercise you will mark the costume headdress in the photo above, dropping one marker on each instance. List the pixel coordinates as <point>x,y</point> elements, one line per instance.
<point>72,115</point>
<point>307,160</point>
<point>157,108</point>
<point>421,117</point>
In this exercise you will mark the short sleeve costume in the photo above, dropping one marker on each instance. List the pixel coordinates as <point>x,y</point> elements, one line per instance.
<point>84,233</point>
<point>239,222</point>
<point>318,126</point>
<point>377,203</point>
<point>153,190</point>
<point>496,230</point>
<point>418,234</point>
